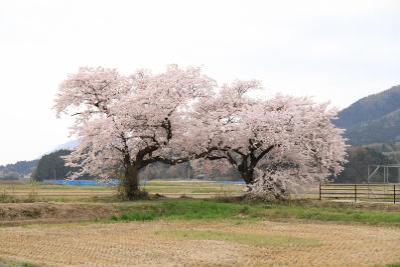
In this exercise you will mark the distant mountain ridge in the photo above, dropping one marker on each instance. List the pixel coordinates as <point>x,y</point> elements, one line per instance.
<point>373,119</point>
<point>70,145</point>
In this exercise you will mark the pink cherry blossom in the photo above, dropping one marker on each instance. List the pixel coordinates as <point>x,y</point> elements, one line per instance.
<point>126,122</point>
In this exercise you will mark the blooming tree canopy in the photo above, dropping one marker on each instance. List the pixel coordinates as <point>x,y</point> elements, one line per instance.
<point>125,123</point>
<point>275,143</point>
<point>131,121</point>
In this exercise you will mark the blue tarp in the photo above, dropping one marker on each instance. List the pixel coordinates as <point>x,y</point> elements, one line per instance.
<point>83,182</point>
<point>111,182</point>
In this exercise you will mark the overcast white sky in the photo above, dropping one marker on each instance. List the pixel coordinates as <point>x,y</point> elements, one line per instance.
<point>333,50</point>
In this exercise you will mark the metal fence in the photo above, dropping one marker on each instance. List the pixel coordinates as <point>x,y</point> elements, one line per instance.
<point>361,192</point>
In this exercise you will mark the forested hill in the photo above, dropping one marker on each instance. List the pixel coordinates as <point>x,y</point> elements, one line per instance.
<point>373,119</point>
<point>17,170</point>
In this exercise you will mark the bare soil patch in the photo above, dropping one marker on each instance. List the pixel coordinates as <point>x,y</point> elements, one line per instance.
<point>19,213</point>
<point>149,244</point>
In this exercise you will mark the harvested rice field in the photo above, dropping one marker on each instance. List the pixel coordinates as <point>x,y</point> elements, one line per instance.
<point>201,243</point>
<point>197,232</point>
<point>61,193</point>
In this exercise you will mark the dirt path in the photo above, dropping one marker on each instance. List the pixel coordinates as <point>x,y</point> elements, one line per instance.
<point>213,244</point>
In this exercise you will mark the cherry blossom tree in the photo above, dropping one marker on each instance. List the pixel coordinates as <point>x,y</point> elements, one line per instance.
<point>277,143</point>
<point>125,123</point>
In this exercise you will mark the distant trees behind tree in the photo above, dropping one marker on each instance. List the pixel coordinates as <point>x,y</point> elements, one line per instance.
<point>17,170</point>
<point>356,169</point>
<point>190,170</point>
<point>52,167</point>
<point>10,176</point>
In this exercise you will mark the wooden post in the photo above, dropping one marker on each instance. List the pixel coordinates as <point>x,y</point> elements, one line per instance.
<point>320,194</point>
<point>369,190</point>
<point>355,192</point>
<point>394,194</point>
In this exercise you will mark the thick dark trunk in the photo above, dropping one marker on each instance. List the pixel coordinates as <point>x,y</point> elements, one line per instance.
<point>131,188</point>
<point>247,177</point>
<point>246,172</point>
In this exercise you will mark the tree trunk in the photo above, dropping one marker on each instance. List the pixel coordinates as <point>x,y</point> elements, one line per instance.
<point>246,172</point>
<point>269,188</point>
<point>247,177</point>
<point>272,189</point>
<point>131,189</point>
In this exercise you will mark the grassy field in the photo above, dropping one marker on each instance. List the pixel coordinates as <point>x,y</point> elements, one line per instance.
<point>219,230</point>
<point>195,209</point>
